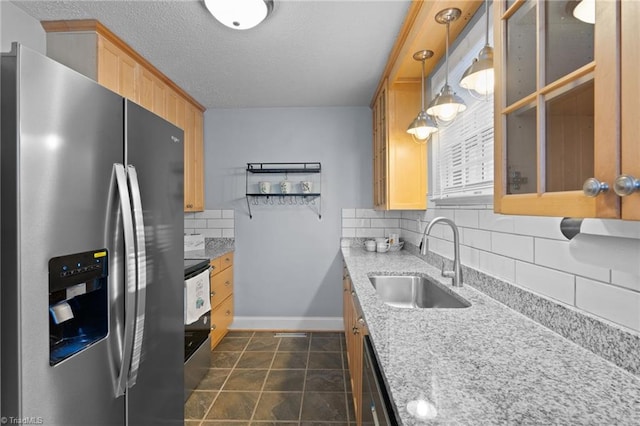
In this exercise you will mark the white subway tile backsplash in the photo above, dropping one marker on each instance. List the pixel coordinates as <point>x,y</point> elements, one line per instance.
<point>393,214</point>
<point>470,257</point>
<point>209,214</point>
<point>220,223</point>
<point>539,226</point>
<point>385,223</point>
<point>195,223</point>
<point>555,284</point>
<point>369,213</point>
<point>211,223</point>
<point>611,227</point>
<point>348,232</point>
<point>613,303</point>
<point>490,221</point>
<point>348,213</point>
<point>499,266</point>
<point>625,279</point>
<point>369,232</point>
<point>476,238</point>
<point>356,223</point>
<point>467,218</point>
<point>515,246</point>
<point>442,247</point>
<point>555,254</point>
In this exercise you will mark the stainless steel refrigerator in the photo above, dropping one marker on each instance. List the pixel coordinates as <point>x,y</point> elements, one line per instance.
<point>92,252</point>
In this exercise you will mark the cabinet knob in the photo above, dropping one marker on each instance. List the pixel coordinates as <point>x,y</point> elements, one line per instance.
<point>593,187</point>
<point>626,185</point>
<point>213,293</point>
<point>361,321</point>
<point>227,313</point>
<point>213,326</point>
<point>227,283</point>
<point>353,293</point>
<point>355,330</point>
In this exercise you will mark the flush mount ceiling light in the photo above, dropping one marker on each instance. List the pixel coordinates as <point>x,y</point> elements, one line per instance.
<point>446,105</point>
<point>478,79</point>
<point>586,11</point>
<point>239,14</point>
<point>423,126</point>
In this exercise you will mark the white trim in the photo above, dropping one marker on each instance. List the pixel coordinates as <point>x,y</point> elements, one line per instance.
<point>287,323</point>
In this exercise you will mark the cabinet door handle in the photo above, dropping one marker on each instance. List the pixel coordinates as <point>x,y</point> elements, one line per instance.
<point>353,293</point>
<point>626,185</point>
<point>227,283</point>
<point>361,321</point>
<point>213,326</point>
<point>213,293</point>
<point>228,313</point>
<point>593,187</point>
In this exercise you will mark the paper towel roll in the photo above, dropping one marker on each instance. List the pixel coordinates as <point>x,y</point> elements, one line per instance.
<point>622,254</point>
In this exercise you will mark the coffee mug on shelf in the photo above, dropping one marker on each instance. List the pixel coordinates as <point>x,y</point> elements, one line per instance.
<point>265,187</point>
<point>370,245</point>
<point>394,239</point>
<point>306,186</point>
<point>285,187</point>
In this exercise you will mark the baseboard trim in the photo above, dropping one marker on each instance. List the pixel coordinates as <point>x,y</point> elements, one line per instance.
<point>287,323</point>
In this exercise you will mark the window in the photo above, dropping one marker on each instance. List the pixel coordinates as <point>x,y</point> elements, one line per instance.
<point>461,155</point>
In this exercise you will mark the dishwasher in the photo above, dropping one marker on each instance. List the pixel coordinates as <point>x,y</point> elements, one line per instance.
<point>197,343</point>
<point>377,407</point>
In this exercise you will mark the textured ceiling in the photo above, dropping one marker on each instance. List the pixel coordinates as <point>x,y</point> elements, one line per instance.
<point>307,53</point>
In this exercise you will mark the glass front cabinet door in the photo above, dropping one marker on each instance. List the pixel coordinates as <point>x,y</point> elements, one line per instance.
<point>565,103</point>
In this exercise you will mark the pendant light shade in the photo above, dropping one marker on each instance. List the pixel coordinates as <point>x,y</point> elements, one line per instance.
<point>239,14</point>
<point>586,11</point>
<point>423,126</point>
<point>479,79</point>
<point>446,105</point>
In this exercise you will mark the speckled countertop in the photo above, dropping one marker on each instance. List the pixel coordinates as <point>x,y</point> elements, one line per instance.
<point>486,364</point>
<point>214,247</point>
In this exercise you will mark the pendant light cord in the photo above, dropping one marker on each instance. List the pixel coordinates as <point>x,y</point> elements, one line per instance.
<point>486,12</point>
<point>446,81</point>
<point>422,86</point>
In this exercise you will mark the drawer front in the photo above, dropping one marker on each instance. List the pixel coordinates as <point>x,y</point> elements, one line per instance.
<point>226,260</point>
<point>215,266</point>
<point>222,316</point>
<point>221,286</point>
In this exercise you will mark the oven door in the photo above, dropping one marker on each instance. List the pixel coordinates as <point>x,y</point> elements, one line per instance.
<point>377,407</point>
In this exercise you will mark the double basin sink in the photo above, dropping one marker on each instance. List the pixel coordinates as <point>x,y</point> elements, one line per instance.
<point>415,291</point>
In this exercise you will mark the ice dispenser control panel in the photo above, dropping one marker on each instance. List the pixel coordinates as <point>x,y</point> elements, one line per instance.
<point>78,302</point>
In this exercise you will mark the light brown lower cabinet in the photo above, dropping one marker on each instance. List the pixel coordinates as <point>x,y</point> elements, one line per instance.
<point>355,330</point>
<point>221,282</point>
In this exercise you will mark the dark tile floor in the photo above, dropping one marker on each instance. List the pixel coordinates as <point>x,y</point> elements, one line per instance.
<point>258,379</point>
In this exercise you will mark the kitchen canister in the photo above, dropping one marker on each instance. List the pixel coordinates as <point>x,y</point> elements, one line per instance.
<point>285,187</point>
<point>265,187</point>
<point>306,186</point>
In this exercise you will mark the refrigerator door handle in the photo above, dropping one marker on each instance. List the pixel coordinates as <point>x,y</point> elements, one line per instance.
<point>141,266</point>
<point>130,277</point>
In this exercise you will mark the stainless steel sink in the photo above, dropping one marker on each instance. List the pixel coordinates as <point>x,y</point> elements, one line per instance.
<point>415,291</point>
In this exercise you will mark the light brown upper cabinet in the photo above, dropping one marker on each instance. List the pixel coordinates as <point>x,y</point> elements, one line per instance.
<point>91,49</point>
<point>560,118</point>
<point>399,163</point>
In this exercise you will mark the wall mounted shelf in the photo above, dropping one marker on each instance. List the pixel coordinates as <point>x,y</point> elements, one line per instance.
<point>273,194</point>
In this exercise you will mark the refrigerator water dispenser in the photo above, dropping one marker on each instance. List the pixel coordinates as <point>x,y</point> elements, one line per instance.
<point>78,303</point>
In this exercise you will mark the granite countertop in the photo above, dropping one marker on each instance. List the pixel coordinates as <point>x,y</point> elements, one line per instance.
<point>485,364</point>
<point>214,248</point>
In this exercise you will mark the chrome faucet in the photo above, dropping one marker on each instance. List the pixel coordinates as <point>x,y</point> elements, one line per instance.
<point>456,274</point>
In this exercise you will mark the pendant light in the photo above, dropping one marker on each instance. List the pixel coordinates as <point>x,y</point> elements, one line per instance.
<point>423,126</point>
<point>585,11</point>
<point>446,105</point>
<point>239,14</point>
<point>478,79</point>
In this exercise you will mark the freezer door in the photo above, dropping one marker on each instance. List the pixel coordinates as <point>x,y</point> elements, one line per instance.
<point>59,143</point>
<point>154,148</point>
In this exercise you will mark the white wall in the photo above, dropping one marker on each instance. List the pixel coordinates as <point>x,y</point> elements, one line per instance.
<point>287,260</point>
<point>16,25</point>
